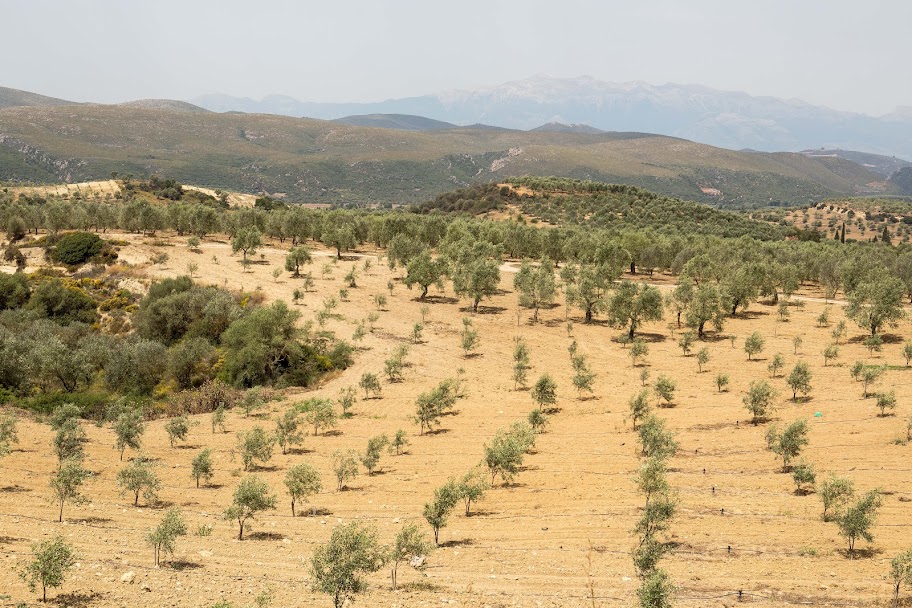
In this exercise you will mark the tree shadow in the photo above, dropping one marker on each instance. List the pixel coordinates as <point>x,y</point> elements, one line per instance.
<point>6,540</point>
<point>332,433</point>
<point>14,488</point>
<point>186,446</point>
<point>298,451</point>
<point>91,520</point>
<point>752,314</point>
<point>485,310</point>
<point>480,513</point>
<point>437,432</point>
<point>437,300</point>
<point>803,491</point>
<point>465,542</point>
<point>182,564</point>
<point>320,512</point>
<point>866,553</point>
<point>265,536</point>
<point>77,599</point>
<point>650,337</point>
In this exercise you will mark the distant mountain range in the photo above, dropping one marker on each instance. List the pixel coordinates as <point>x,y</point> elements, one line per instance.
<point>726,119</point>
<point>396,158</point>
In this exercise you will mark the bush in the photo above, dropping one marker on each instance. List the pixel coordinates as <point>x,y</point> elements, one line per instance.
<point>77,248</point>
<point>14,291</point>
<point>254,445</point>
<point>62,304</point>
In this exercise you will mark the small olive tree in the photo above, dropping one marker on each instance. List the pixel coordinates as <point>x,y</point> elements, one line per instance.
<point>163,537</point>
<point>302,481</point>
<point>51,560</point>
<point>753,344</point>
<point>438,510</point>
<point>337,567</point>
<point>254,445</point>
<point>788,442</point>
<point>201,467</point>
<point>67,483</point>
<point>139,477</point>
<point>345,467</point>
<point>410,546</point>
<point>858,519</point>
<point>251,497</point>
<point>758,400</point>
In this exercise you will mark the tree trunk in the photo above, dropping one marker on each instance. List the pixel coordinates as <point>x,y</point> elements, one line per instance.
<point>424,290</point>
<point>588,314</point>
<point>240,530</point>
<point>633,268</point>
<point>393,574</point>
<point>60,518</point>
<point>475,305</point>
<point>632,329</point>
<point>292,507</point>
<point>436,536</point>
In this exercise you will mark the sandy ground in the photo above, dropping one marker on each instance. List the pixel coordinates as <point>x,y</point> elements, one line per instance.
<point>566,522</point>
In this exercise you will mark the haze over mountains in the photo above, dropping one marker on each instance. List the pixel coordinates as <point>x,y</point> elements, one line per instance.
<point>727,119</point>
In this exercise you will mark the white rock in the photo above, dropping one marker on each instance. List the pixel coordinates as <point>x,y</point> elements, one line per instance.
<point>127,577</point>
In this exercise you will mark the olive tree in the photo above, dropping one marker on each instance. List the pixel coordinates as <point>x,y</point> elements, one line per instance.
<point>803,474</point>
<point>177,428</point>
<point>901,573</point>
<point>536,286</point>
<point>345,467</point>
<point>254,445</point>
<point>471,488</point>
<point>251,497</point>
<point>371,384</point>
<point>758,400</point>
<point>639,407</point>
<point>128,430</point>
<point>302,481</point>
<point>788,442</point>
<point>288,432</point>
<point>410,546</point>
<point>633,304</point>
<point>799,380</point>
<point>876,304</point>
<point>201,467</point>
<point>246,240</point>
<point>664,389</point>
<point>438,510</point>
<point>520,362</point>
<point>139,477</point>
<point>320,413</point>
<point>858,519</point>
<point>544,393</point>
<point>371,457</point>
<point>835,493</point>
<point>51,560</point>
<point>655,440</point>
<point>296,258</point>
<point>753,344</point>
<point>67,482</point>
<point>886,401</point>
<point>337,567</point>
<point>163,537</point>
<point>424,271</point>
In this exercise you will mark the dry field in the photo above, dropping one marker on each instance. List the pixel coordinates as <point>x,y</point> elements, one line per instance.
<point>561,534</point>
<point>109,187</point>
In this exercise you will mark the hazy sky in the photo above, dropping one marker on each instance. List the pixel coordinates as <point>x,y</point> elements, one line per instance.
<point>850,55</point>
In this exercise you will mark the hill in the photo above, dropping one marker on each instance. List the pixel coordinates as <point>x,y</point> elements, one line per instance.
<point>882,165</point>
<point>10,98</point>
<point>558,127</point>
<point>404,122</point>
<point>320,161</point>
<point>729,119</point>
<point>164,104</point>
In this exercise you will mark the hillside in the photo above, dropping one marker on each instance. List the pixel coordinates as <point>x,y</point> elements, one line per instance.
<point>320,161</point>
<point>882,165</point>
<point>10,98</point>
<point>164,104</point>
<point>405,122</point>
<point>558,127</point>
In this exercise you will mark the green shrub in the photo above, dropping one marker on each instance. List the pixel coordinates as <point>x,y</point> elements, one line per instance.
<point>77,248</point>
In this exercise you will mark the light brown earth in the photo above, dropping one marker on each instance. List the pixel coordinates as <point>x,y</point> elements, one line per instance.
<point>566,522</point>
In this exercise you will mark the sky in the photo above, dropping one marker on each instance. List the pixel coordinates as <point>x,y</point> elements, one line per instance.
<point>845,55</point>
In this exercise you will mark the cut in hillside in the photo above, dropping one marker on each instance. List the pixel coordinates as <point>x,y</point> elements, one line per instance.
<point>403,122</point>
<point>320,161</point>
